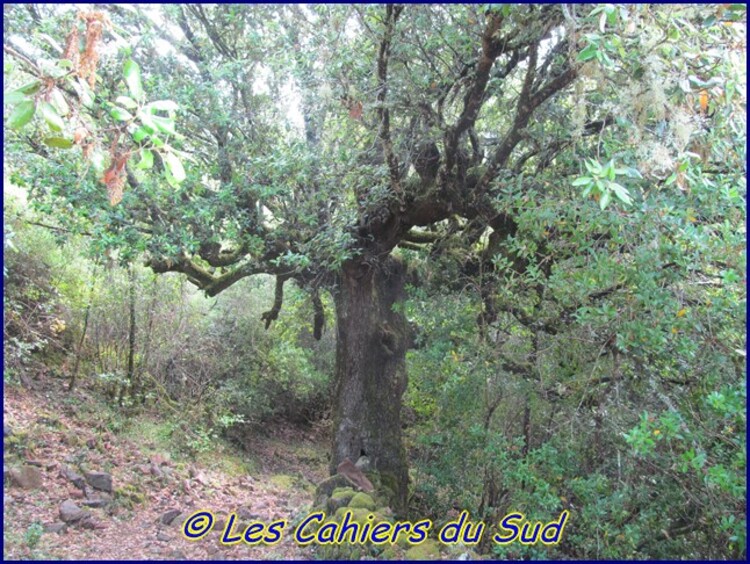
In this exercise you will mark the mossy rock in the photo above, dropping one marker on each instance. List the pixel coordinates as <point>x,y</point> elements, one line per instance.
<point>427,550</point>
<point>391,553</point>
<point>359,514</point>
<point>129,496</point>
<point>362,500</point>
<point>347,493</point>
<point>327,486</point>
<point>339,498</point>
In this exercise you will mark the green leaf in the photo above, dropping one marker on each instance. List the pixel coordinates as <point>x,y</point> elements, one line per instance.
<point>132,73</point>
<point>582,181</point>
<point>604,201</point>
<point>162,106</point>
<point>147,159</point>
<point>127,102</point>
<point>147,121</point>
<point>14,97</point>
<point>120,114</point>
<point>593,167</point>
<point>22,114</point>
<point>588,53</point>
<point>140,134</point>
<point>165,125</point>
<point>31,88</point>
<point>621,192</point>
<point>58,142</point>
<point>58,101</point>
<point>51,116</point>
<point>174,166</point>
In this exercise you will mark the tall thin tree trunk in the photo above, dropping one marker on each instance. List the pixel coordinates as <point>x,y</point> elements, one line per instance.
<point>79,348</point>
<point>371,372</point>
<point>131,381</point>
<point>143,365</point>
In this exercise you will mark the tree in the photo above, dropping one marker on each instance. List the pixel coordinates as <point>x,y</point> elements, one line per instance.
<point>423,128</point>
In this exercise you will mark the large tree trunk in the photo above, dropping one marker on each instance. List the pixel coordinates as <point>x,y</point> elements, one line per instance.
<point>371,372</point>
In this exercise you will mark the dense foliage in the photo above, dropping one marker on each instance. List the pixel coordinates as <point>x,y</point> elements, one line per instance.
<point>565,185</point>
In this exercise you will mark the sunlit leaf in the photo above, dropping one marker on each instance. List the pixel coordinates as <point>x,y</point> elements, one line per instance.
<point>132,73</point>
<point>127,102</point>
<point>22,114</point>
<point>147,159</point>
<point>120,114</point>
<point>58,142</point>
<point>174,166</point>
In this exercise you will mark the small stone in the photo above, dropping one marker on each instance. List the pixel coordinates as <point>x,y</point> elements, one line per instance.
<point>100,481</point>
<point>169,517</point>
<point>70,512</point>
<point>7,431</point>
<point>26,477</point>
<point>72,476</point>
<point>88,522</point>
<point>179,520</point>
<point>57,527</point>
<point>96,503</point>
<point>163,537</point>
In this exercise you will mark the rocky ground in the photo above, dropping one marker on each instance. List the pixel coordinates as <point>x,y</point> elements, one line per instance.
<point>76,489</point>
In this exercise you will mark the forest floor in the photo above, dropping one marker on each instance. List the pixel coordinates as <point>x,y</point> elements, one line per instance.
<point>52,438</point>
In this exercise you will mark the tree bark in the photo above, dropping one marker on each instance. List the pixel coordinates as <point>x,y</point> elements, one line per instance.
<point>371,371</point>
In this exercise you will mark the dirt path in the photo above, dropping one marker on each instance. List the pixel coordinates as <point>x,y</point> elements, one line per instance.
<point>147,486</point>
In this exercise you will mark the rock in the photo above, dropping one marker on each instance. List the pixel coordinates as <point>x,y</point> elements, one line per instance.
<point>74,477</point>
<point>26,477</point>
<point>154,471</point>
<point>179,520</point>
<point>7,431</point>
<point>427,550</point>
<point>334,503</point>
<point>57,527</point>
<point>96,502</point>
<point>163,537</point>
<point>359,515</point>
<point>70,512</point>
<point>169,517</point>
<point>100,481</point>
<point>326,487</point>
<point>355,475</point>
<point>178,555</point>
<point>363,464</point>
<point>89,522</point>
<point>362,500</point>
